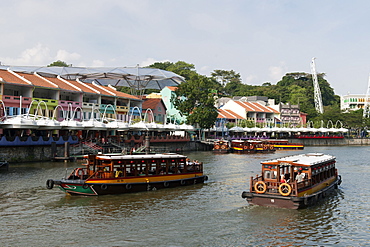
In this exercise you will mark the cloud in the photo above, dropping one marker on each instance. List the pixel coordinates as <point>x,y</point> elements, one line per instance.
<point>250,79</point>
<point>277,72</point>
<point>37,55</point>
<point>150,61</point>
<point>97,63</point>
<point>66,56</point>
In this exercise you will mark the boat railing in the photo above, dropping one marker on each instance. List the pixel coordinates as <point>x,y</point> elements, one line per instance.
<point>272,187</point>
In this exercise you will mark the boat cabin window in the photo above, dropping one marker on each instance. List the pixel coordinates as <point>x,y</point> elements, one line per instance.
<point>143,167</point>
<point>269,172</point>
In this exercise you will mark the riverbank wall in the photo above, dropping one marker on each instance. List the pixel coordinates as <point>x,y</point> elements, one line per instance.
<point>45,153</point>
<point>334,142</point>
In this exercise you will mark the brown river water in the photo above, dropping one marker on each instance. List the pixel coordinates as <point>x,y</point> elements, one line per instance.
<point>212,214</point>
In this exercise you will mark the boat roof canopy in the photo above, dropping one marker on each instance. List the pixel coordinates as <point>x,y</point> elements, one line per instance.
<point>143,156</point>
<point>309,159</point>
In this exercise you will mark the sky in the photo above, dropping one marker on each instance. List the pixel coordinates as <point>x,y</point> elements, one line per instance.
<point>262,40</point>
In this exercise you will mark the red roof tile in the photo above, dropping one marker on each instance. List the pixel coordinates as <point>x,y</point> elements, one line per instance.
<point>36,80</point>
<point>61,84</point>
<point>11,78</point>
<point>228,114</point>
<point>82,86</point>
<point>152,103</point>
<point>172,88</point>
<point>121,94</point>
<point>256,107</point>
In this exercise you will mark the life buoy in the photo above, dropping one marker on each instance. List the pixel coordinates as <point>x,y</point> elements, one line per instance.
<point>50,184</point>
<point>251,146</point>
<point>271,147</point>
<point>182,182</point>
<point>79,172</point>
<point>245,147</point>
<point>104,186</point>
<point>128,186</point>
<point>85,186</point>
<point>264,147</point>
<point>217,147</point>
<point>260,187</point>
<point>166,184</point>
<point>223,146</point>
<point>285,189</point>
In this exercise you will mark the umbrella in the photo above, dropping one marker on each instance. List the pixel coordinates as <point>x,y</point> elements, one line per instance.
<point>135,77</point>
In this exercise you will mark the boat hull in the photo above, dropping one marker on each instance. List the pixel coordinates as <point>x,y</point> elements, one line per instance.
<point>290,202</point>
<point>106,187</point>
<point>284,146</point>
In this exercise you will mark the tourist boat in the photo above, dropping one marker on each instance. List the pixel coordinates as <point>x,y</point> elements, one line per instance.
<point>243,146</point>
<point>117,174</point>
<point>294,181</point>
<point>221,146</point>
<point>262,146</point>
<point>285,144</point>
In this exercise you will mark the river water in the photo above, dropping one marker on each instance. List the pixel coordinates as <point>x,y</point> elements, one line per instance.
<point>212,214</point>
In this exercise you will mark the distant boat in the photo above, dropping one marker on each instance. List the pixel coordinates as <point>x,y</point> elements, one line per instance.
<point>118,174</point>
<point>285,144</point>
<point>251,146</point>
<point>221,146</point>
<point>294,182</point>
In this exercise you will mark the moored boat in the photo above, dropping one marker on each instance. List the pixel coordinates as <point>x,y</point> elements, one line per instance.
<point>118,174</point>
<point>262,146</point>
<point>295,181</point>
<point>285,144</point>
<point>242,146</point>
<point>221,146</point>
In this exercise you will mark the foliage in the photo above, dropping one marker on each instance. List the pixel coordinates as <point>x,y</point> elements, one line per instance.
<point>195,97</point>
<point>294,88</point>
<point>199,101</point>
<point>58,63</point>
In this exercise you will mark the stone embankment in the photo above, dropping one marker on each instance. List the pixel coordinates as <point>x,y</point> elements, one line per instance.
<point>45,153</point>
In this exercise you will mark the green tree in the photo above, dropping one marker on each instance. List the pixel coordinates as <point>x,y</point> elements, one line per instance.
<point>196,101</point>
<point>58,63</point>
<point>226,76</point>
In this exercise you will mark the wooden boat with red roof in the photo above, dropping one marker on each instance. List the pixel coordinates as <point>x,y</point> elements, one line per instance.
<point>221,146</point>
<point>242,146</point>
<point>294,181</point>
<point>118,174</point>
<point>285,144</point>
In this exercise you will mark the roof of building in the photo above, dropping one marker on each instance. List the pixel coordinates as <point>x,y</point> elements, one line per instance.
<point>37,81</point>
<point>172,88</point>
<point>9,77</point>
<point>61,84</point>
<point>228,114</point>
<point>119,93</point>
<point>152,103</point>
<point>256,107</point>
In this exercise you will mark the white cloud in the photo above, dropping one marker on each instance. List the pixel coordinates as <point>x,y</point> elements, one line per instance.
<point>150,61</point>
<point>37,55</point>
<point>97,63</point>
<point>277,72</point>
<point>66,56</point>
<point>250,79</point>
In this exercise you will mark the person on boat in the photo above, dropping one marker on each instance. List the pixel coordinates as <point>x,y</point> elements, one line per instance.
<point>300,176</point>
<point>282,179</point>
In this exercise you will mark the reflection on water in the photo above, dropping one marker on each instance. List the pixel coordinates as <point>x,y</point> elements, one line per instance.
<point>212,214</point>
